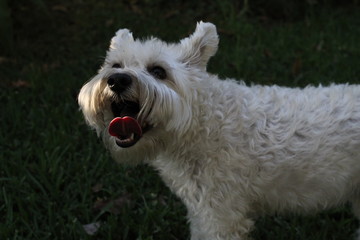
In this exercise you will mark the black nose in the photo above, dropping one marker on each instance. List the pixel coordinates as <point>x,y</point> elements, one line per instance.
<point>119,82</point>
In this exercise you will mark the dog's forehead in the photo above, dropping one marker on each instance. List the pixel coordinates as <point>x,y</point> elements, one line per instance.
<point>142,52</point>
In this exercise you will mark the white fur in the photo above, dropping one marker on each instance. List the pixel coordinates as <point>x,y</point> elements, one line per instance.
<point>231,152</point>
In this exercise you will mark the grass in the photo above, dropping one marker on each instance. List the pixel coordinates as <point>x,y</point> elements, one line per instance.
<point>55,175</point>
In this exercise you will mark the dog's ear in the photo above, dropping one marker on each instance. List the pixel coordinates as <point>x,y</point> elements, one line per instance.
<point>197,49</point>
<point>121,36</point>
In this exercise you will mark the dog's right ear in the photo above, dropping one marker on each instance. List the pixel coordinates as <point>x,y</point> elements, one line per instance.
<point>121,36</point>
<point>197,49</point>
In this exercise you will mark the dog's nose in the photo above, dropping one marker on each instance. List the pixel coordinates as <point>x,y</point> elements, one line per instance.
<point>119,82</point>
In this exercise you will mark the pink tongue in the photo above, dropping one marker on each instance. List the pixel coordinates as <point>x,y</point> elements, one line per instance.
<point>124,126</point>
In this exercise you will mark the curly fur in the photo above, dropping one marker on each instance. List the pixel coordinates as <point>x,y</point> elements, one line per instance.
<point>231,152</point>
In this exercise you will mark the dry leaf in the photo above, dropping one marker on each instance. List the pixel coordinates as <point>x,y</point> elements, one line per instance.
<point>60,8</point>
<point>20,84</point>
<point>296,67</point>
<point>320,45</point>
<point>97,187</point>
<point>92,228</point>
<point>4,60</point>
<point>112,206</point>
<point>109,22</point>
<point>267,53</point>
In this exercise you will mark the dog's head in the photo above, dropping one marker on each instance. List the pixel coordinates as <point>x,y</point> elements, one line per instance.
<point>143,94</point>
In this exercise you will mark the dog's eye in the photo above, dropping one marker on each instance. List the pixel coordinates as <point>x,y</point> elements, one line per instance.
<point>158,72</point>
<point>116,65</point>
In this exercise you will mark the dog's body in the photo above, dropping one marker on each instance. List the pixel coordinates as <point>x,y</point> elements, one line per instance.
<point>229,151</point>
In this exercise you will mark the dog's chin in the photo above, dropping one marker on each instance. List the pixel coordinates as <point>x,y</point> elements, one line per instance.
<point>127,142</point>
<point>141,151</point>
<point>126,127</point>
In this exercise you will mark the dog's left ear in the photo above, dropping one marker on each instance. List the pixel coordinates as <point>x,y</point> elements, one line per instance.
<point>121,36</point>
<point>200,46</point>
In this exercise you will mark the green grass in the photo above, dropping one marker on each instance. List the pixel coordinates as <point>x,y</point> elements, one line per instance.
<point>55,173</point>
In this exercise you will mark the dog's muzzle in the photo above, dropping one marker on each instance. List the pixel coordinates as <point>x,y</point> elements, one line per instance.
<point>125,127</point>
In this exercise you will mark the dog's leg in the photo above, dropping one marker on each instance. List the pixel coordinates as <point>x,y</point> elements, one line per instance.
<point>356,210</point>
<point>219,226</point>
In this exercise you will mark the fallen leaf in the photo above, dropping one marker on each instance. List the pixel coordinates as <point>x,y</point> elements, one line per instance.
<point>20,84</point>
<point>4,60</point>
<point>97,187</point>
<point>121,202</point>
<point>320,45</point>
<point>60,8</point>
<point>109,22</point>
<point>112,206</point>
<point>171,13</point>
<point>296,67</point>
<point>92,228</point>
<point>267,53</point>
<point>100,204</point>
<point>135,8</point>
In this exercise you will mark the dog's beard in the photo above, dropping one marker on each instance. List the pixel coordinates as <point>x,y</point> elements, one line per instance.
<point>151,107</point>
<point>156,109</point>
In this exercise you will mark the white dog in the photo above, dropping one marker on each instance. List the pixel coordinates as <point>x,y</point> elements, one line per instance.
<point>231,152</point>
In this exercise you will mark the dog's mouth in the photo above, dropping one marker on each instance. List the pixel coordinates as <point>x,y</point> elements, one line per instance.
<point>125,126</point>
